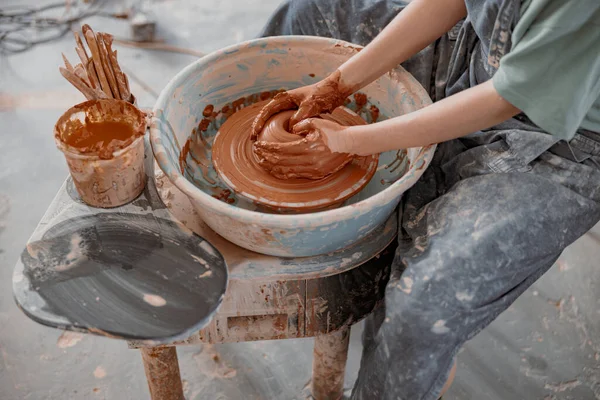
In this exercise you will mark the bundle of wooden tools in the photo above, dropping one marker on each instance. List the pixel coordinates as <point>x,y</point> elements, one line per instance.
<point>98,76</point>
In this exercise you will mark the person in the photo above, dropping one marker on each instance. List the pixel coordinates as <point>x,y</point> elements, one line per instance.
<point>515,177</point>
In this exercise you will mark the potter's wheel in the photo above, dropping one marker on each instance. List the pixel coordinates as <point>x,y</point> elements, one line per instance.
<point>237,166</point>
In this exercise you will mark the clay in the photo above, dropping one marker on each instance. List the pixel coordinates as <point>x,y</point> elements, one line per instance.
<point>323,96</point>
<point>238,166</point>
<point>197,148</point>
<point>374,114</point>
<point>290,156</point>
<point>361,100</point>
<point>208,110</point>
<point>102,138</point>
<point>104,149</point>
<point>100,127</point>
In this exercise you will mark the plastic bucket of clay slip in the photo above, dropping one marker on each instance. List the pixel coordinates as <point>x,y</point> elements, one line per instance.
<point>107,181</point>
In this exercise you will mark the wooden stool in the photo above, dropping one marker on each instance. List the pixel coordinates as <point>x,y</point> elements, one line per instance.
<point>66,279</point>
<point>276,298</point>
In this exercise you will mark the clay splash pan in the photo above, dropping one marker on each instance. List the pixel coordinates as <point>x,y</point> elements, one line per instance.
<point>237,166</point>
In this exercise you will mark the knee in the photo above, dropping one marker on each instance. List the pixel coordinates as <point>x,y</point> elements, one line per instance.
<point>443,289</point>
<point>421,308</point>
<point>444,284</point>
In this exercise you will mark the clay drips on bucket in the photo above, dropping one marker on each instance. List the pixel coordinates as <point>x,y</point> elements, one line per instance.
<point>102,128</point>
<point>103,138</point>
<point>103,146</point>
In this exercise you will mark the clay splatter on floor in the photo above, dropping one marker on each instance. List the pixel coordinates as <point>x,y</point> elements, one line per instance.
<point>210,363</point>
<point>99,372</point>
<point>69,339</point>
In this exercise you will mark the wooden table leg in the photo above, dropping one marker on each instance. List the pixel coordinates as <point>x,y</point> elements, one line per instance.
<point>329,364</point>
<point>162,372</point>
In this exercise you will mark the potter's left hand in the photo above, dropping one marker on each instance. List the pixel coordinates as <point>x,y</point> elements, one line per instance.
<point>312,100</point>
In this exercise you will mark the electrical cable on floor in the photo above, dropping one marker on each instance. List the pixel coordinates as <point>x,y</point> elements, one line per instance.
<point>159,46</point>
<point>140,82</point>
<point>23,27</point>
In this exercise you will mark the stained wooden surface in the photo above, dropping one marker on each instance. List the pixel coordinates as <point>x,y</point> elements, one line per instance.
<point>298,308</point>
<point>278,298</point>
<point>329,363</point>
<point>162,373</point>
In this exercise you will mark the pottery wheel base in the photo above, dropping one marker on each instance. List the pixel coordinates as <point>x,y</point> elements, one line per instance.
<point>243,174</point>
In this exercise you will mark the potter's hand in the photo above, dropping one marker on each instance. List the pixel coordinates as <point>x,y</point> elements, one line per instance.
<point>312,100</point>
<point>418,25</point>
<point>336,137</point>
<point>308,157</point>
<point>419,128</point>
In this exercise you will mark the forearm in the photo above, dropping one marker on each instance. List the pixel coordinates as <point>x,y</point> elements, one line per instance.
<point>413,29</point>
<point>474,109</point>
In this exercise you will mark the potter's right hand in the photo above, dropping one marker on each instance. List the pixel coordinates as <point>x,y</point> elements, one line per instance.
<point>312,100</point>
<point>336,137</point>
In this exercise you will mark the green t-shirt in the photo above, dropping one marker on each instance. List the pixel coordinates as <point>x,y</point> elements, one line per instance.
<point>552,72</point>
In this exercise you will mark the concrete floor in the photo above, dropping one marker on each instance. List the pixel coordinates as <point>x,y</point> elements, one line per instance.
<point>546,346</point>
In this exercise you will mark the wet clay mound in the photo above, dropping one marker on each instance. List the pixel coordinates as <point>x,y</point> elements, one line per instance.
<point>239,167</point>
<point>286,155</point>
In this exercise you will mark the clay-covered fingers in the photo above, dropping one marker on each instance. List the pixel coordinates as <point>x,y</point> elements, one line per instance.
<point>289,160</point>
<point>304,127</point>
<point>307,109</point>
<point>335,136</point>
<point>281,102</point>
<point>271,151</point>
